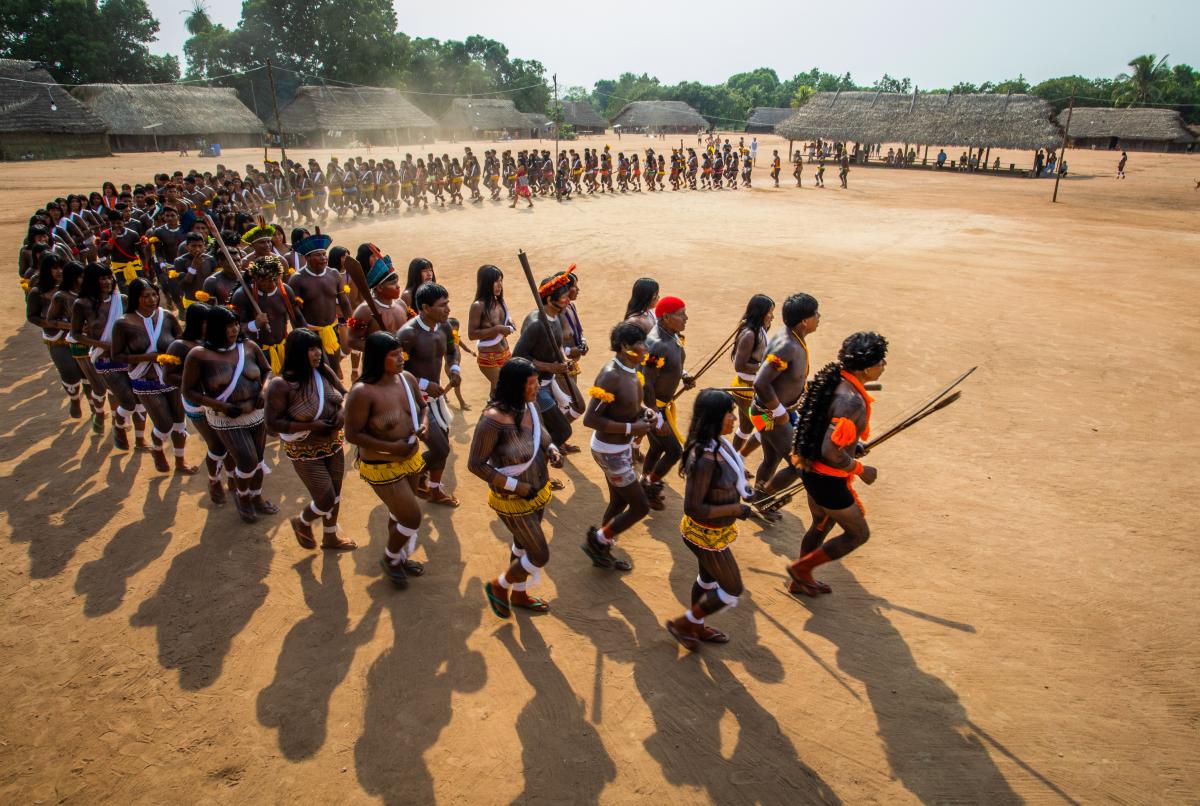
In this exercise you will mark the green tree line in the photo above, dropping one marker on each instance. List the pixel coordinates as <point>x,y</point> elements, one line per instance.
<point>358,42</point>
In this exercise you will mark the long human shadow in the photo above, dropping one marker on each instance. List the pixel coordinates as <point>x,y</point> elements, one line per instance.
<point>314,660</point>
<point>562,757</point>
<point>135,545</point>
<point>687,704</point>
<point>208,596</point>
<point>411,685</point>
<point>929,740</point>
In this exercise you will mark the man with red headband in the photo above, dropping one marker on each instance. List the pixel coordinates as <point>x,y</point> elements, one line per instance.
<point>664,372</point>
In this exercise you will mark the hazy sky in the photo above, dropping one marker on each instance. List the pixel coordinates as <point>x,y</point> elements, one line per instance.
<point>936,44</point>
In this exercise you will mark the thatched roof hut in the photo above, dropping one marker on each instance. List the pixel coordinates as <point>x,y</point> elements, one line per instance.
<point>764,119</point>
<point>40,120</point>
<point>539,124</point>
<point>659,116</point>
<point>944,119</point>
<point>473,117</point>
<point>1128,129</point>
<point>145,117</point>
<point>583,117</point>
<point>321,116</point>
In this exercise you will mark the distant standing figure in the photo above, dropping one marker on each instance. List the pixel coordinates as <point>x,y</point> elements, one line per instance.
<point>845,171</point>
<point>1121,165</point>
<point>941,158</point>
<point>1037,163</point>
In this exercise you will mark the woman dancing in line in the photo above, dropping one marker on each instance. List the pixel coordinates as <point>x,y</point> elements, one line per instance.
<point>217,460</point>
<point>510,451</point>
<point>712,502</point>
<point>420,271</point>
<point>47,307</point>
<point>93,317</point>
<point>304,406</point>
<point>383,418</point>
<point>488,323</point>
<point>835,422</point>
<point>749,350</point>
<point>640,308</point>
<point>225,375</point>
<point>138,339</point>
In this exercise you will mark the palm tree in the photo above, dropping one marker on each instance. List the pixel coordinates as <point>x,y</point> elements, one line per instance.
<point>198,21</point>
<point>1145,83</point>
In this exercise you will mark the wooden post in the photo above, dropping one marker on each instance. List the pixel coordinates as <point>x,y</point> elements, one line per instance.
<point>287,179</point>
<point>987,157</point>
<point>557,127</point>
<point>925,159</point>
<point>1063,151</point>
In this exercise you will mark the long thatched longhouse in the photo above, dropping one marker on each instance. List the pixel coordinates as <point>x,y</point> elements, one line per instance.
<point>539,124</point>
<point>764,119</point>
<point>658,117</point>
<point>323,116</point>
<point>40,120</point>
<point>583,117</point>
<point>484,117</point>
<point>147,117</point>
<point>1128,129</point>
<point>943,119</point>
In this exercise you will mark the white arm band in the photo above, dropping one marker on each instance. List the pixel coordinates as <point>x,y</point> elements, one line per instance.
<point>192,270</point>
<point>628,429</point>
<point>778,411</point>
<point>510,483</point>
<point>423,384</point>
<point>454,370</point>
<point>252,326</point>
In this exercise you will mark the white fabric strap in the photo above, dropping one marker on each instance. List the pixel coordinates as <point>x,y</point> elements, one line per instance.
<point>412,410</point>
<point>237,373</point>
<point>734,460</point>
<point>513,471</point>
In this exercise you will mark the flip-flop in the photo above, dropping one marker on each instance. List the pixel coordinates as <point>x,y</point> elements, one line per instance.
<point>498,605</point>
<point>245,510</point>
<point>713,636</point>
<point>605,559</point>
<point>444,500</point>
<point>413,568</point>
<point>305,541</point>
<point>264,507</point>
<point>822,587</point>
<point>343,544</point>
<point>394,572</point>
<point>535,603</point>
<point>689,643</point>
<point>555,484</point>
<point>796,588</point>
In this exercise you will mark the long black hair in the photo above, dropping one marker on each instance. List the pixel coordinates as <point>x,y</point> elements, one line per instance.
<point>72,272</point>
<point>858,352</point>
<point>46,266</point>
<point>91,282</point>
<point>136,289</point>
<point>708,417</point>
<point>415,267</point>
<point>756,314</point>
<point>644,290</point>
<point>193,322</point>
<point>375,353</point>
<point>509,394</point>
<point>336,254</point>
<point>485,281</point>
<point>218,318</point>
<point>296,367</point>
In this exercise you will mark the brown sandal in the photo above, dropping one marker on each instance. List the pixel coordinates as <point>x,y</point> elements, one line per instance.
<point>341,544</point>
<point>690,643</point>
<point>441,499</point>
<point>303,533</point>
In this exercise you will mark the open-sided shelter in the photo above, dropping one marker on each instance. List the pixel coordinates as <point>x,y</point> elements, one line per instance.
<point>41,120</point>
<point>147,117</point>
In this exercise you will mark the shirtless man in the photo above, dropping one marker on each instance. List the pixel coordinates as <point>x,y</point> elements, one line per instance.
<point>121,244</point>
<point>192,267</point>
<point>430,345</point>
<point>383,418</point>
<point>543,346</point>
<point>664,373</point>
<point>777,389</point>
<point>277,305</point>
<point>325,301</point>
<point>225,375</point>
<point>617,413</point>
<point>219,287</point>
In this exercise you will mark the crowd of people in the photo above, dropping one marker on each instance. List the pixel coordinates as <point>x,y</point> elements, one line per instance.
<point>157,309</point>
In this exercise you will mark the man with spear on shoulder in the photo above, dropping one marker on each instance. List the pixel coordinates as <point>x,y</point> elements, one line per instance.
<point>664,372</point>
<point>266,317</point>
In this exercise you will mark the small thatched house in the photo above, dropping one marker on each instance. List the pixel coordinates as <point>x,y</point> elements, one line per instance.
<point>764,119</point>
<point>323,116</point>
<point>539,125</point>
<point>147,117</point>
<point>1128,129</point>
<point>482,117</point>
<point>941,119</point>
<point>658,117</point>
<point>583,117</point>
<point>40,120</point>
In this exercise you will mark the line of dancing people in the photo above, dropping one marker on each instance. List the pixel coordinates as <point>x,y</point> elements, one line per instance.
<point>260,349</point>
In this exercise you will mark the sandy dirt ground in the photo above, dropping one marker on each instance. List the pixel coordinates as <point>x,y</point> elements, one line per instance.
<point>1021,626</point>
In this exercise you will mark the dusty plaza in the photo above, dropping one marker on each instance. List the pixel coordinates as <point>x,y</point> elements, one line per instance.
<point>1022,626</point>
